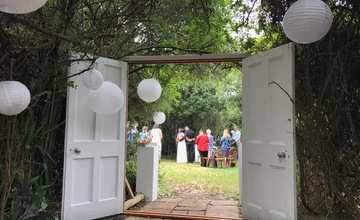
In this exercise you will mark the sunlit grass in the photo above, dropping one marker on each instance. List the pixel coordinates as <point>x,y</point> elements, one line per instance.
<point>179,178</point>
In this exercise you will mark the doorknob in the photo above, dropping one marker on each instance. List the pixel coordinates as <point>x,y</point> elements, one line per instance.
<point>75,150</point>
<point>281,155</point>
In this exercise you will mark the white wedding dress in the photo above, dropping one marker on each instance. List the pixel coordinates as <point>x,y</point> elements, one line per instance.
<point>181,155</point>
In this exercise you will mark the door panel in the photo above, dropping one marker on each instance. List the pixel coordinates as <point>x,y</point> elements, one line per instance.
<point>268,182</point>
<point>95,149</point>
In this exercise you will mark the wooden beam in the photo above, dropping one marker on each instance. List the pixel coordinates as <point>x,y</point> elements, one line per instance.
<point>135,200</point>
<point>128,188</point>
<point>186,59</point>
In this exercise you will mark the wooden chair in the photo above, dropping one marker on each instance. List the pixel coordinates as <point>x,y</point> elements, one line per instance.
<point>219,158</point>
<point>210,157</point>
<point>232,158</point>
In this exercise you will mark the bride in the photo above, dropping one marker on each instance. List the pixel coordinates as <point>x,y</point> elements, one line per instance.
<point>181,156</point>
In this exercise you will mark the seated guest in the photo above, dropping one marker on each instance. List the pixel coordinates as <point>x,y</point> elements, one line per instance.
<point>202,142</point>
<point>144,137</point>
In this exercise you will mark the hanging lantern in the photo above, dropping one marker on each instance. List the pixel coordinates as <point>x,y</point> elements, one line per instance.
<point>149,90</point>
<point>21,6</point>
<point>307,21</point>
<point>159,118</point>
<point>14,97</point>
<point>93,79</point>
<point>108,99</point>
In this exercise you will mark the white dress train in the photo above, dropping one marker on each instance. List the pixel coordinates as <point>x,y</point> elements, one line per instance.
<point>181,155</point>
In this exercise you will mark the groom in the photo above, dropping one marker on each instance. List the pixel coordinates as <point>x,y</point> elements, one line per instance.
<point>190,144</point>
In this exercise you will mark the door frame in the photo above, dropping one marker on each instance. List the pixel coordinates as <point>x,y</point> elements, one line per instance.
<point>173,59</point>
<point>178,59</point>
<point>186,59</point>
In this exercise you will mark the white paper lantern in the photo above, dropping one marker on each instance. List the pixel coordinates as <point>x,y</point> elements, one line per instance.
<point>14,97</point>
<point>307,21</point>
<point>108,99</point>
<point>21,6</point>
<point>93,79</point>
<point>159,118</point>
<point>149,90</point>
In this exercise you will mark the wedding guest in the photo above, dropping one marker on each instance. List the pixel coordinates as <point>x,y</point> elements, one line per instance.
<point>225,144</point>
<point>211,142</point>
<point>144,135</point>
<point>202,142</point>
<point>237,138</point>
<point>156,136</point>
<point>190,142</point>
<point>181,155</point>
<point>133,132</point>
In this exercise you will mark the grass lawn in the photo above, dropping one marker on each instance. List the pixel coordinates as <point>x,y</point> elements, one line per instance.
<point>176,178</point>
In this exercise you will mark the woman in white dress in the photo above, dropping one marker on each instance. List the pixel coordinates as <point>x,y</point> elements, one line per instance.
<point>156,136</point>
<point>181,155</point>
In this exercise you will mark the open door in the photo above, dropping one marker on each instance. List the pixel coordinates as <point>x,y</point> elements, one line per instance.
<point>268,182</point>
<point>93,184</point>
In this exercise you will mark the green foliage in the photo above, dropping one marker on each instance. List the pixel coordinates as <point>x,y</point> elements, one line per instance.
<point>198,102</point>
<point>213,100</point>
<point>254,45</point>
<point>30,202</point>
<point>131,158</point>
<point>200,96</point>
<point>38,46</point>
<point>131,173</point>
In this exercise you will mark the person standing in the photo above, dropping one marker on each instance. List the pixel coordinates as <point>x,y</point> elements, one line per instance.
<point>202,142</point>
<point>225,144</point>
<point>211,142</point>
<point>181,155</point>
<point>133,132</point>
<point>237,138</point>
<point>190,142</point>
<point>156,138</point>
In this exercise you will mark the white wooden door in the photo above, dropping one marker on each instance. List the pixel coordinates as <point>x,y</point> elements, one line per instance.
<point>268,182</point>
<point>94,170</point>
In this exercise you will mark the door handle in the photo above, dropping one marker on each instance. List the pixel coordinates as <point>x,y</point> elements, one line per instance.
<point>281,155</point>
<point>75,150</point>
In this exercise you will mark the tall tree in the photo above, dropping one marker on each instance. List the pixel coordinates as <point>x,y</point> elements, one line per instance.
<point>38,45</point>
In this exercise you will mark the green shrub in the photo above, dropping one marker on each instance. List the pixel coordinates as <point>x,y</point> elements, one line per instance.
<point>31,201</point>
<point>131,165</point>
